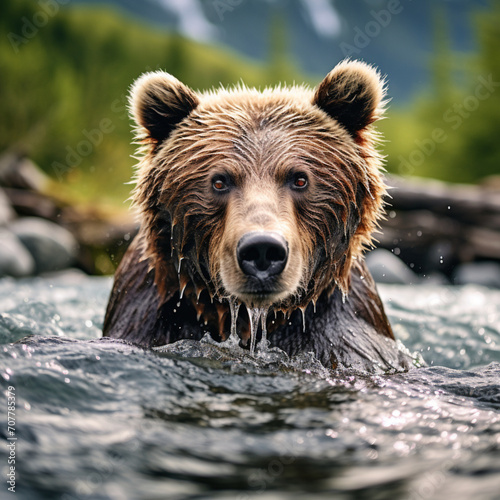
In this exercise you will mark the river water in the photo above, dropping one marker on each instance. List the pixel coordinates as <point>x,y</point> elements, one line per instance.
<point>99,419</point>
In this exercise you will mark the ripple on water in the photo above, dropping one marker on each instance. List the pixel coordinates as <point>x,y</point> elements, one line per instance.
<point>99,418</point>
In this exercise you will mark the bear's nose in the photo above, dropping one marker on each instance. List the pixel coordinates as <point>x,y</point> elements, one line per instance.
<point>262,255</point>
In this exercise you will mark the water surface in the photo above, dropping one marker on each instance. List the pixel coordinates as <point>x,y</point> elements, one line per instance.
<point>100,419</point>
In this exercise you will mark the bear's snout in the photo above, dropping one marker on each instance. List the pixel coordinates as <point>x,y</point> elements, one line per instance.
<point>262,255</point>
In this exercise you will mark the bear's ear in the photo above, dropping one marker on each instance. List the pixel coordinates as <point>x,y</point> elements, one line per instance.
<point>352,94</point>
<point>158,102</point>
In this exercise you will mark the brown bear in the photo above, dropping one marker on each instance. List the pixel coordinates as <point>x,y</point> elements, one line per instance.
<point>265,199</point>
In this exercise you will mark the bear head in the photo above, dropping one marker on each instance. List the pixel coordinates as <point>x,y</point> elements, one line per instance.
<point>264,198</point>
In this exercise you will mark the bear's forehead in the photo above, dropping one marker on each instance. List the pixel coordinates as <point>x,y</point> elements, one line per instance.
<point>271,115</point>
<point>250,104</point>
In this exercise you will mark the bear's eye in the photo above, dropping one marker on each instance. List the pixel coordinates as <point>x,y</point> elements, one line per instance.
<point>299,181</point>
<point>221,184</point>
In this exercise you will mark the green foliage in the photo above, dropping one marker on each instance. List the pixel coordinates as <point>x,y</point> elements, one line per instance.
<point>64,83</point>
<point>451,133</point>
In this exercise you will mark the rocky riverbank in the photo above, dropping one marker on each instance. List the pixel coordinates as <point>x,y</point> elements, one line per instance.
<point>42,233</point>
<point>433,231</point>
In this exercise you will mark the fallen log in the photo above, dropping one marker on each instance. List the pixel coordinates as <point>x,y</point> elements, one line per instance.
<point>435,227</point>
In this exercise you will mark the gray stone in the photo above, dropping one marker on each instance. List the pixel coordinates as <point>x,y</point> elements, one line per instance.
<point>15,259</point>
<point>18,171</point>
<point>53,248</point>
<point>6,211</point>
<point>385,267</point>
<point>485,273</point>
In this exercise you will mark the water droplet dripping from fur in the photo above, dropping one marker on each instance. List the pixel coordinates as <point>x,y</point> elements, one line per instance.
<point>234,306</point>
<point>264,343</point>
<point>256,314</point>
<point>253,315</point>
<point>303,310</point>
<point>180,263</point>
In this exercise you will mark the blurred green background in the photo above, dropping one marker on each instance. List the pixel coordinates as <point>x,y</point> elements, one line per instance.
<point>66,67</point>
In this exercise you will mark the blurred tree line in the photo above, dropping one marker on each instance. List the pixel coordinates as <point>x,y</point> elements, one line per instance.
<point>65,74</point>
<point>450,131</point>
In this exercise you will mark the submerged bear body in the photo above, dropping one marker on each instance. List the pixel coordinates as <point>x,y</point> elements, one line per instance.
<point>255,208</point>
